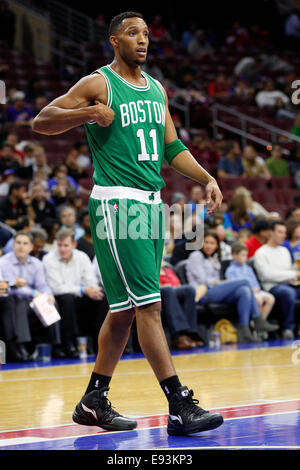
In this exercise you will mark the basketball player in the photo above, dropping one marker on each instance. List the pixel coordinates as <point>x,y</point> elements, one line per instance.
<point>130,133</point>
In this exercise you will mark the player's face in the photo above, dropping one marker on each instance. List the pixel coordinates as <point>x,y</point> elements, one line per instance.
<point>132,41</point>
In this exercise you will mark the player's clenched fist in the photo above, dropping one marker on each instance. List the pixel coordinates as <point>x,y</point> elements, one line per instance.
<point>102,114</point>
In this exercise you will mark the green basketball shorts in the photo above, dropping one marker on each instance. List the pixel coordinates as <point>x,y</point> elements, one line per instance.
<point>128,227</point>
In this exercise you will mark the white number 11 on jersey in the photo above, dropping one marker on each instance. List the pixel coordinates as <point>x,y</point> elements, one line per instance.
<point>144,156</point>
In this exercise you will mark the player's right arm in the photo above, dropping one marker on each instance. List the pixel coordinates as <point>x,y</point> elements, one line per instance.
<point>84,102</point>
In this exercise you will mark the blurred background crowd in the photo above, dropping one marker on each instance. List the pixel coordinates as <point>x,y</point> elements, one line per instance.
<point>45,239</point>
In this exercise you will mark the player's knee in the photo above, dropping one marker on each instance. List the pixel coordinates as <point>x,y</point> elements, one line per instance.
<point>153,310</point>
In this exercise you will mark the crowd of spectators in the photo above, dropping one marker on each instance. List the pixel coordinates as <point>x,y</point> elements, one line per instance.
<point>47,248</point>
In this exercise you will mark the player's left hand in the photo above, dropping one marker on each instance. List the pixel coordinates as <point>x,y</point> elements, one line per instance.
<point>213,197</point>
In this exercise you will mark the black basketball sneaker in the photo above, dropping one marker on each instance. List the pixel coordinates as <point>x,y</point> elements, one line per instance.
<point>186,417</point>
<point>94,409</point>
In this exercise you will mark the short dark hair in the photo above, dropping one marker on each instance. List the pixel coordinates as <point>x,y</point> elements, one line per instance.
<point>261,224</point>
<point>117,20</point>
<point>15,185</point>
<point>290,212</point>
<point>276,222</point>
<point>230,145</point>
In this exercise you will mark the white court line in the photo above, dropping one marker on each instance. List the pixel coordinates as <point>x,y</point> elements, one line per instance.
<point>150,372</point>
<point>32,440</point>
<point>154,427</point>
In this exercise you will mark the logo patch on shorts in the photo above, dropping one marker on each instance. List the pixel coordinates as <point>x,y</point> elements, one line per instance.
<point>116,207</point>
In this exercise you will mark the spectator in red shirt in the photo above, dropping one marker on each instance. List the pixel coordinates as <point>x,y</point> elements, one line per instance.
<point>13,140</point>
<point>179,308</point>
<point>261,234</point>
<point>219,87</point>
<point>157,30</point>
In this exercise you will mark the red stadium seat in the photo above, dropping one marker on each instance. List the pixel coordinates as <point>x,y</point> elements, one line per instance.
<point>283,182</point>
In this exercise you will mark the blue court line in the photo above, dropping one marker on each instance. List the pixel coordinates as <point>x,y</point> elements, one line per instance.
<point>280,430</point>
<point>140,355</point>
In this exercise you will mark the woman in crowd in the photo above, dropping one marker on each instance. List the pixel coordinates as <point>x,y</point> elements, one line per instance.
<point>253,206</point>
<point>292,242</point>
<point>238,216</point>
<point>204,267</point>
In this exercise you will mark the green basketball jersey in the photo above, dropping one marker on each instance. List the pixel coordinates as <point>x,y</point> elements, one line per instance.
<point>130,152</point>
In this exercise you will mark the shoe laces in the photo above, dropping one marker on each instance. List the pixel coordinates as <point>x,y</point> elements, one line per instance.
<point>106,408</point>
<point>189,403</point>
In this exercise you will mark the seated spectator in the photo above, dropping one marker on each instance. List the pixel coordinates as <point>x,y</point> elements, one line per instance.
<point>179,202</point>
<point>277,275</point>
<point>268,96</point>
<point>281,111</point>
<point>292,28</point>
<point>85,243</point>
<point>26,224</point>
<point>9,160</point>
<point>157,30</point>
<point>40,177</point>
<point>253,164</point>
<point>297,201</point>
<point>204,267</point>
<point>238,216</point>
<point>39,103</point>
<point>248,68</point>
<point>181,131</point>
<point>27,276</point>
<point>151,68</point>
<point>296,128</point>
<point>39,238</point>
<point>7,323</point>
<point>71,277</point>
<point>276,165</point>
<point>40,164</point>
<point>51,226</point>
<point>73,200</point>
<point>84,159</point>
<point>293,213</point>
<point>215,223</point>
<point>239,268</point>
<point>199,46</point>
<point>35,89</point>
<point>19,113</point>
<point>16,205</point>
<point>67,219</point>
<point>231,164</point>
<point>203,149</point>
<point>261,233</point>
<point>196,197</point>
<point>243,235</point>
<point>74,169</point>
<point>243,89</point>
<point>219,87</point>
<point>59,183</point>
<point>255,207</point>
<point>292,242</point>
<point>294,161</point>
<point>41,206</point>
<point>28,151</point>
<point>8,177</point>
<point>13,140</point>
<point>5,235</point>
<point>179,308</point>
<point>237,36</point>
